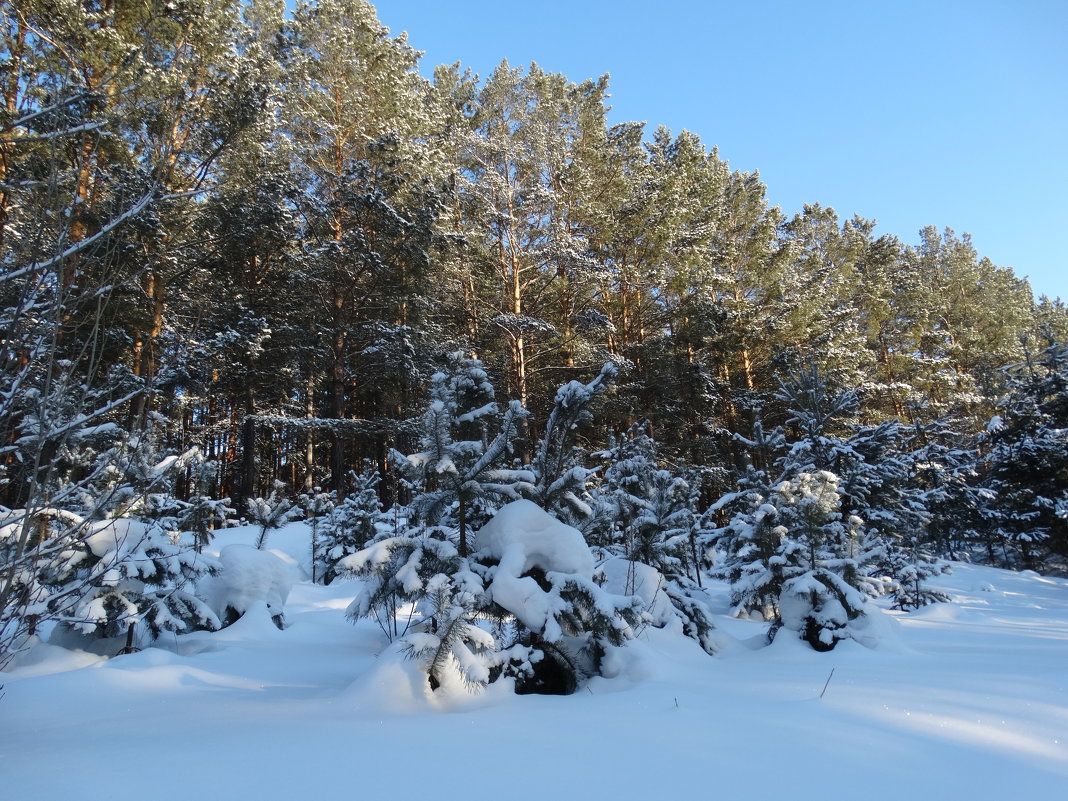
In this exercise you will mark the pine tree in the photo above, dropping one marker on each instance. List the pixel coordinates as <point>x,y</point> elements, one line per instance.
<point>460,473</point>
<point>843,519</point>
<point>357,123</point>
<point>316,505</point>
<point>272,512</point>
<point>103,573</point>
<point>351,524</point>
<point>647,522</point>
<point>819,595</point>
<point>1026,464</point>
<point>560,484</point>
<point>525,165</point>
<point>201,514</point>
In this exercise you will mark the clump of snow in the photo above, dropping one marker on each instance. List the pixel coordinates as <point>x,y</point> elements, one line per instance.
<point>877,630</point>
<point>111,539</point>
<point>248,576</point>
<point>525,536</point>
<point>543,565</point>
<point>521,537</point>
<point>395,684</point>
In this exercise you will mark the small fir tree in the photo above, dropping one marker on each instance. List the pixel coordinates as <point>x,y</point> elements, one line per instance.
<point>272,512</point>
<point>561,479</point>
<point>1026,462</point>
<point>316,506</point>
<point>351,524</point>
<point>461,474</point>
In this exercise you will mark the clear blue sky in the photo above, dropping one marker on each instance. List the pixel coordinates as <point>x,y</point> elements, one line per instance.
<point>944,113</point>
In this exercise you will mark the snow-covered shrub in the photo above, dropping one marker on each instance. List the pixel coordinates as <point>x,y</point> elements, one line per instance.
<point>317,506</point>
<point>665,604</point>
<point>560,477</point>
<point>648,521</point>
<point>111,578</point>
<point>528,581</point>
<point>820,593</point>
<point>450,647</point>
<point>539,576</point>
<point>790,558</point>
<point>397,570</point>
<point>461,473</point>
<point>247,576</point>
<point>840,524</point>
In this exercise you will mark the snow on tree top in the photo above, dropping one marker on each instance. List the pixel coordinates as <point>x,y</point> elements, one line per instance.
<point>110,538</point>
<point>524,529</point>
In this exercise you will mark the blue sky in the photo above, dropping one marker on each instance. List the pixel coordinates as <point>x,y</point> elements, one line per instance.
<point>939,113</point>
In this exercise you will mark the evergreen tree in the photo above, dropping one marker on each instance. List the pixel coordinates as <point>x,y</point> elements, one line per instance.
<point>1026,464</point>
<point>102,573</point>
<point>819,574</point>
<point>357,121</point>
<point>524,169</point>
<point>843,520</point>
<point>316,505</point>
<point>351,524</point>
<point>460,473</point>
<point>272,512</point>
<point>529,578</point>
<point>646,520</point>
<point>560,484</point>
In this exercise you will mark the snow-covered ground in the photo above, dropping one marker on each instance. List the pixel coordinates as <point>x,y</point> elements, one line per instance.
<point>966,700</point>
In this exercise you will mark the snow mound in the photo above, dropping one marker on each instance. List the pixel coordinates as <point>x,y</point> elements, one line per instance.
<point>877,630</point>
<point>113,538</point>
<point>396,685</point>
<point>544,577</point>
<point>624,577</point>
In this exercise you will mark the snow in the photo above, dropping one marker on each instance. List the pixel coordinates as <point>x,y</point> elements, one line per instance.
<point>525,536</point>
<point>522,536</point>
<point>624,577</point>
<point>971,704</point>
<point>248,576</point>
<point>111,537</point>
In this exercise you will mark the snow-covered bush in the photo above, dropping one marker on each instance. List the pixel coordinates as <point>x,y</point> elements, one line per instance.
<point>665,603</point>
<point>820,582</point>
<point>560,477</point>
<point>840,524</point>
<point>397,570</point>
<point>461,473</point>
<point>317,506</point>
<point>528,582</point>
<point>790,558</point>
<point>1025,466</point>
<point>646,521</point>
<point>111,578</point>
<point>248,576</point>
